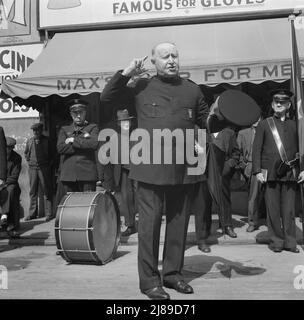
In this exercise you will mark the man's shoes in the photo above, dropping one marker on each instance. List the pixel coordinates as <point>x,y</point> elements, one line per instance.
<point>10,227</point>
<point>157,293</point>
<point>129,231</point>
<point>14,234</point>
<point>28,218</point>
<point>180,286</point>
<point>204,247</point>
<point>48,218</point>
<point>275,249</point>
<point>294,250</point>
<point>229,231</point>
<point>252,228</point>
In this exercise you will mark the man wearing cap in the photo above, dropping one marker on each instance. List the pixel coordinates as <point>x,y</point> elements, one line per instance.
<point>166,101</point>
<point>10,194</point>
<point>280,180</point>
<point>77,143</point>
<point>37,154</point>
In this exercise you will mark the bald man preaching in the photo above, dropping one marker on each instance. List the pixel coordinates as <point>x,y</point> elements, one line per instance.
<point>164,102</point>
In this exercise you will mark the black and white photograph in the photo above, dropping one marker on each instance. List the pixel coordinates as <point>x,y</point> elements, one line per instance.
<point>151,150</point>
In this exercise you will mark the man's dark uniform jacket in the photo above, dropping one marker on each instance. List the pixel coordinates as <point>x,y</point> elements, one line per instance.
<point>79,157</point>
<point>265,153</point>
<point>160,104</point>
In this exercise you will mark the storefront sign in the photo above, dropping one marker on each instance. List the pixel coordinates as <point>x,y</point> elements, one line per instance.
<point>13,61</point>
<point>18,22</point>
<point>211,75</point>
<point>69,13</point>
<point>254,73</point>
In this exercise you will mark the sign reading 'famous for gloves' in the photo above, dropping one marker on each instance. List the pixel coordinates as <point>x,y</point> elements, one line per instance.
<point>58,14</point>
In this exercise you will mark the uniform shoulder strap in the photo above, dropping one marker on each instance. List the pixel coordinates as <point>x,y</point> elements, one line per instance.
<point>277,139</point>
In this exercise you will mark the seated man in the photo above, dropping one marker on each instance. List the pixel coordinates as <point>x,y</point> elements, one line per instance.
<point>10,192</point>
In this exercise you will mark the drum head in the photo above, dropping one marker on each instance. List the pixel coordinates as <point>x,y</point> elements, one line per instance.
<point>106,227</point>
<point>238,108</point>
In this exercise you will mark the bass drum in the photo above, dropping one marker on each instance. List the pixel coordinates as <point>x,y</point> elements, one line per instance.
<point>87,227</point>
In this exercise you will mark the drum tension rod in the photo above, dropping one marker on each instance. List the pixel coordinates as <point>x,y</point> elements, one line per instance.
<point>73,229</point>
<point>76,250</point>
<point>76,206</point>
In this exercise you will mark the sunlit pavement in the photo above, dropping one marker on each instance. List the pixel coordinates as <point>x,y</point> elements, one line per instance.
<point>235,269</point>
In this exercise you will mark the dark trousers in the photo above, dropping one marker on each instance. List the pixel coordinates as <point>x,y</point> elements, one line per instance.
<point>227,214</point>
<point>128,198</point>
<point>150,206</point>
<point>280,206</point>
<point>201,206</point>
<point>255,198</point>
<point>43,176</point>
<point>78,186</point>
<point>10,203</point>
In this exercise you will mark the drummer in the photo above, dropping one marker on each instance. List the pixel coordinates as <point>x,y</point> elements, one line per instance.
<point>77,143</point>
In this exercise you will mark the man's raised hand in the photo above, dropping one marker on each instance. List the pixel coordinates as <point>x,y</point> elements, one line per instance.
<point>135,68</point>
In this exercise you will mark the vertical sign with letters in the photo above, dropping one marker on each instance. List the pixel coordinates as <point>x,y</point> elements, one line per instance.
<point>13,61</point>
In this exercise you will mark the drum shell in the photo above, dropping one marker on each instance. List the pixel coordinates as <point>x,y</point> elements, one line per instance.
<point>87,227</point>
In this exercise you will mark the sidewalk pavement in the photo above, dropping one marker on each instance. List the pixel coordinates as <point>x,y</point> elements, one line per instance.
<point>235,269</point>
<point>39,232</point>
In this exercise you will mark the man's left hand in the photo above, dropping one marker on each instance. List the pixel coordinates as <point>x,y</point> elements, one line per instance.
<point>301,177</point>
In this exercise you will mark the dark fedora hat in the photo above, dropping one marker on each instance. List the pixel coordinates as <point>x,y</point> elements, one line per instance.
<point>10,142</point>
<point>77,104</point>
<point>281,94</point>
<point>37,126</point>
<point>123,115</point>
<point>238,108</point>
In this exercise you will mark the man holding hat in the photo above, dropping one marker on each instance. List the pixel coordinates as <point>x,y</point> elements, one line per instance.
<point>276,165</point>
<point>122,181</point>
<point>10,194</point>
<point>77,143</point>
<point>37,154</point>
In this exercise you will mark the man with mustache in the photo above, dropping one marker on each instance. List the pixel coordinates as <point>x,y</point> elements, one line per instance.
<point>281,181</point>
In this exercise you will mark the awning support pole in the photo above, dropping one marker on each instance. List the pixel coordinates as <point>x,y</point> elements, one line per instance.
<point>46,37</point>
<point>297,87</point>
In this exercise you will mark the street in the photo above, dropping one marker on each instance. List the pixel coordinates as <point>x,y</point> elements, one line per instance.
<point>235,269</point>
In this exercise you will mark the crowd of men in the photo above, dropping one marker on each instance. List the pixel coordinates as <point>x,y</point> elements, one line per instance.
<point>265,155</point>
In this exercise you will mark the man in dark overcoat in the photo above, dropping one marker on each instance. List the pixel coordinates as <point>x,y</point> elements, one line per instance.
<point>280,188</point>
<point>10,194</point>
<point>77,143</point>
<point>227,157</point>
<point>166,101</point>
